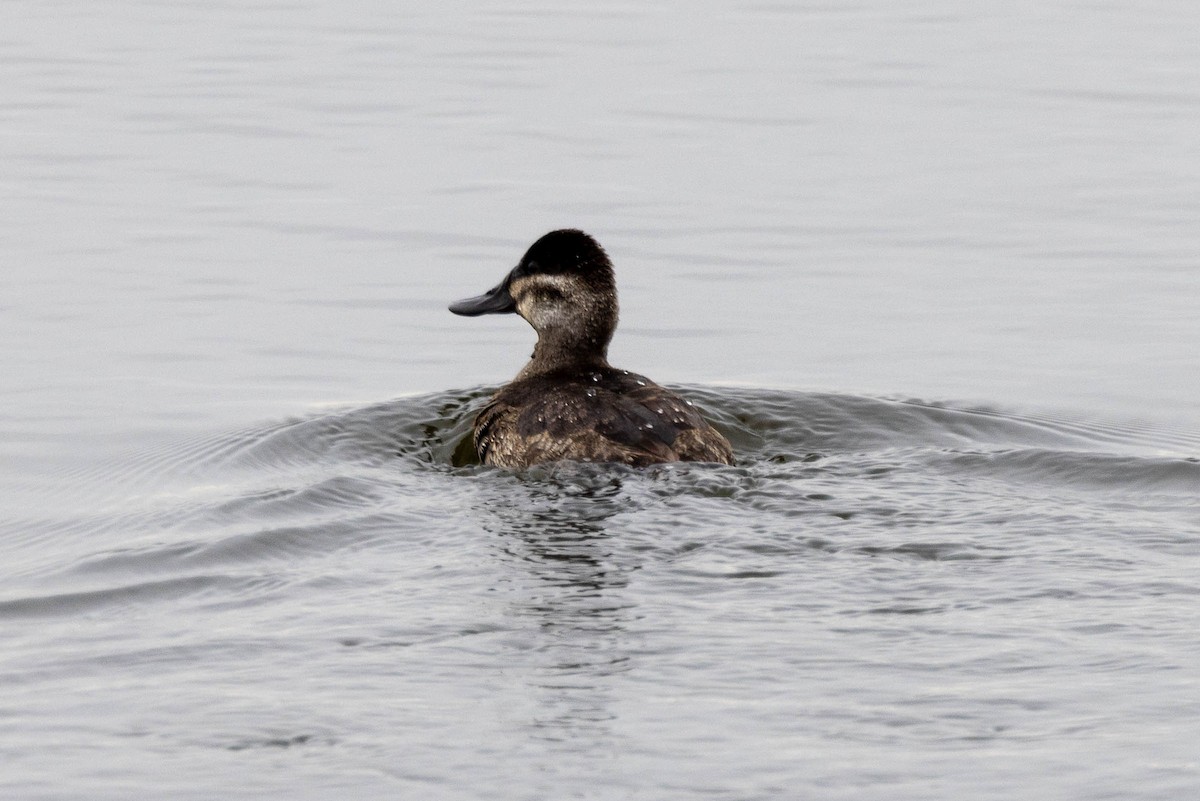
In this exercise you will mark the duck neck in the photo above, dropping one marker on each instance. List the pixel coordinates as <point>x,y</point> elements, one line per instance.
<point>562,350</point>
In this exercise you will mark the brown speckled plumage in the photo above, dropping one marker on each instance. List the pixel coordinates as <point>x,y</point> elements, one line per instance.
<point>604,415</point>
<point>568,403</point>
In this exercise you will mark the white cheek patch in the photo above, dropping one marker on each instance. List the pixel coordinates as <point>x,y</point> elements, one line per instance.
<point>543,317</point>
<point>542,314</point>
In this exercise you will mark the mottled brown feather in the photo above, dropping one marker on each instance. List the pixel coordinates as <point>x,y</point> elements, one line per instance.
<point>605,415</point>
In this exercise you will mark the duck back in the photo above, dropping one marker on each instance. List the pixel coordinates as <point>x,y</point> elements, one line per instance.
<point>600,415</point>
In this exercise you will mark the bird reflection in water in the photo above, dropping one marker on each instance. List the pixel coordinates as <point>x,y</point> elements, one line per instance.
<point>566,584</point>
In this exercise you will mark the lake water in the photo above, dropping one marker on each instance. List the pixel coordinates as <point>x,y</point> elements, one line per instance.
<point>933,270</point>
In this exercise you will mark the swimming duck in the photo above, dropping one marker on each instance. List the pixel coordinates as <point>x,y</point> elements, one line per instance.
<point>568,402</point>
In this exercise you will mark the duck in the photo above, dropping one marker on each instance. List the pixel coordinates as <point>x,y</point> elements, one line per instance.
<point>568,403</point>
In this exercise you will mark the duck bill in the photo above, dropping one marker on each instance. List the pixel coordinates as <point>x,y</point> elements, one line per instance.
<point>495,301</point>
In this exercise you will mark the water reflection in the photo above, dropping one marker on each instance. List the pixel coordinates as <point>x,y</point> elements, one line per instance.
<point>553,538</point>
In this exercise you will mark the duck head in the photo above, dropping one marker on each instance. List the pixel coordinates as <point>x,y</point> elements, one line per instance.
<point>564,287</point>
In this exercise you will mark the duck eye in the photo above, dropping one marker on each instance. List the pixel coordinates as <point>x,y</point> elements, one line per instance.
<point>532,267</point>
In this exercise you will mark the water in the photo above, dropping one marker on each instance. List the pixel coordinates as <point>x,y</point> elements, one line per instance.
<point>931,270</point>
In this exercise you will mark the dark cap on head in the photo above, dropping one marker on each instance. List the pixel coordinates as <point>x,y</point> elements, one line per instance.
<point>567,250</point>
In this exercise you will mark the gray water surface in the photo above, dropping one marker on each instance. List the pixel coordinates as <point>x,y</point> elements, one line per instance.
<point>881,596</point>
<point>933,271</point>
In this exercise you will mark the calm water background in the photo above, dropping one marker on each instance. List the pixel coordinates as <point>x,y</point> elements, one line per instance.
<point>933,269</point>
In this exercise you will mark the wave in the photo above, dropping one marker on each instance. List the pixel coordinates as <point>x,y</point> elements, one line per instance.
<point>815,472</point>
<point>356,451</point>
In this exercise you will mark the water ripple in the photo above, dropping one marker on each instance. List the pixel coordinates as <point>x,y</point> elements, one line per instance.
<point>131,595</point>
